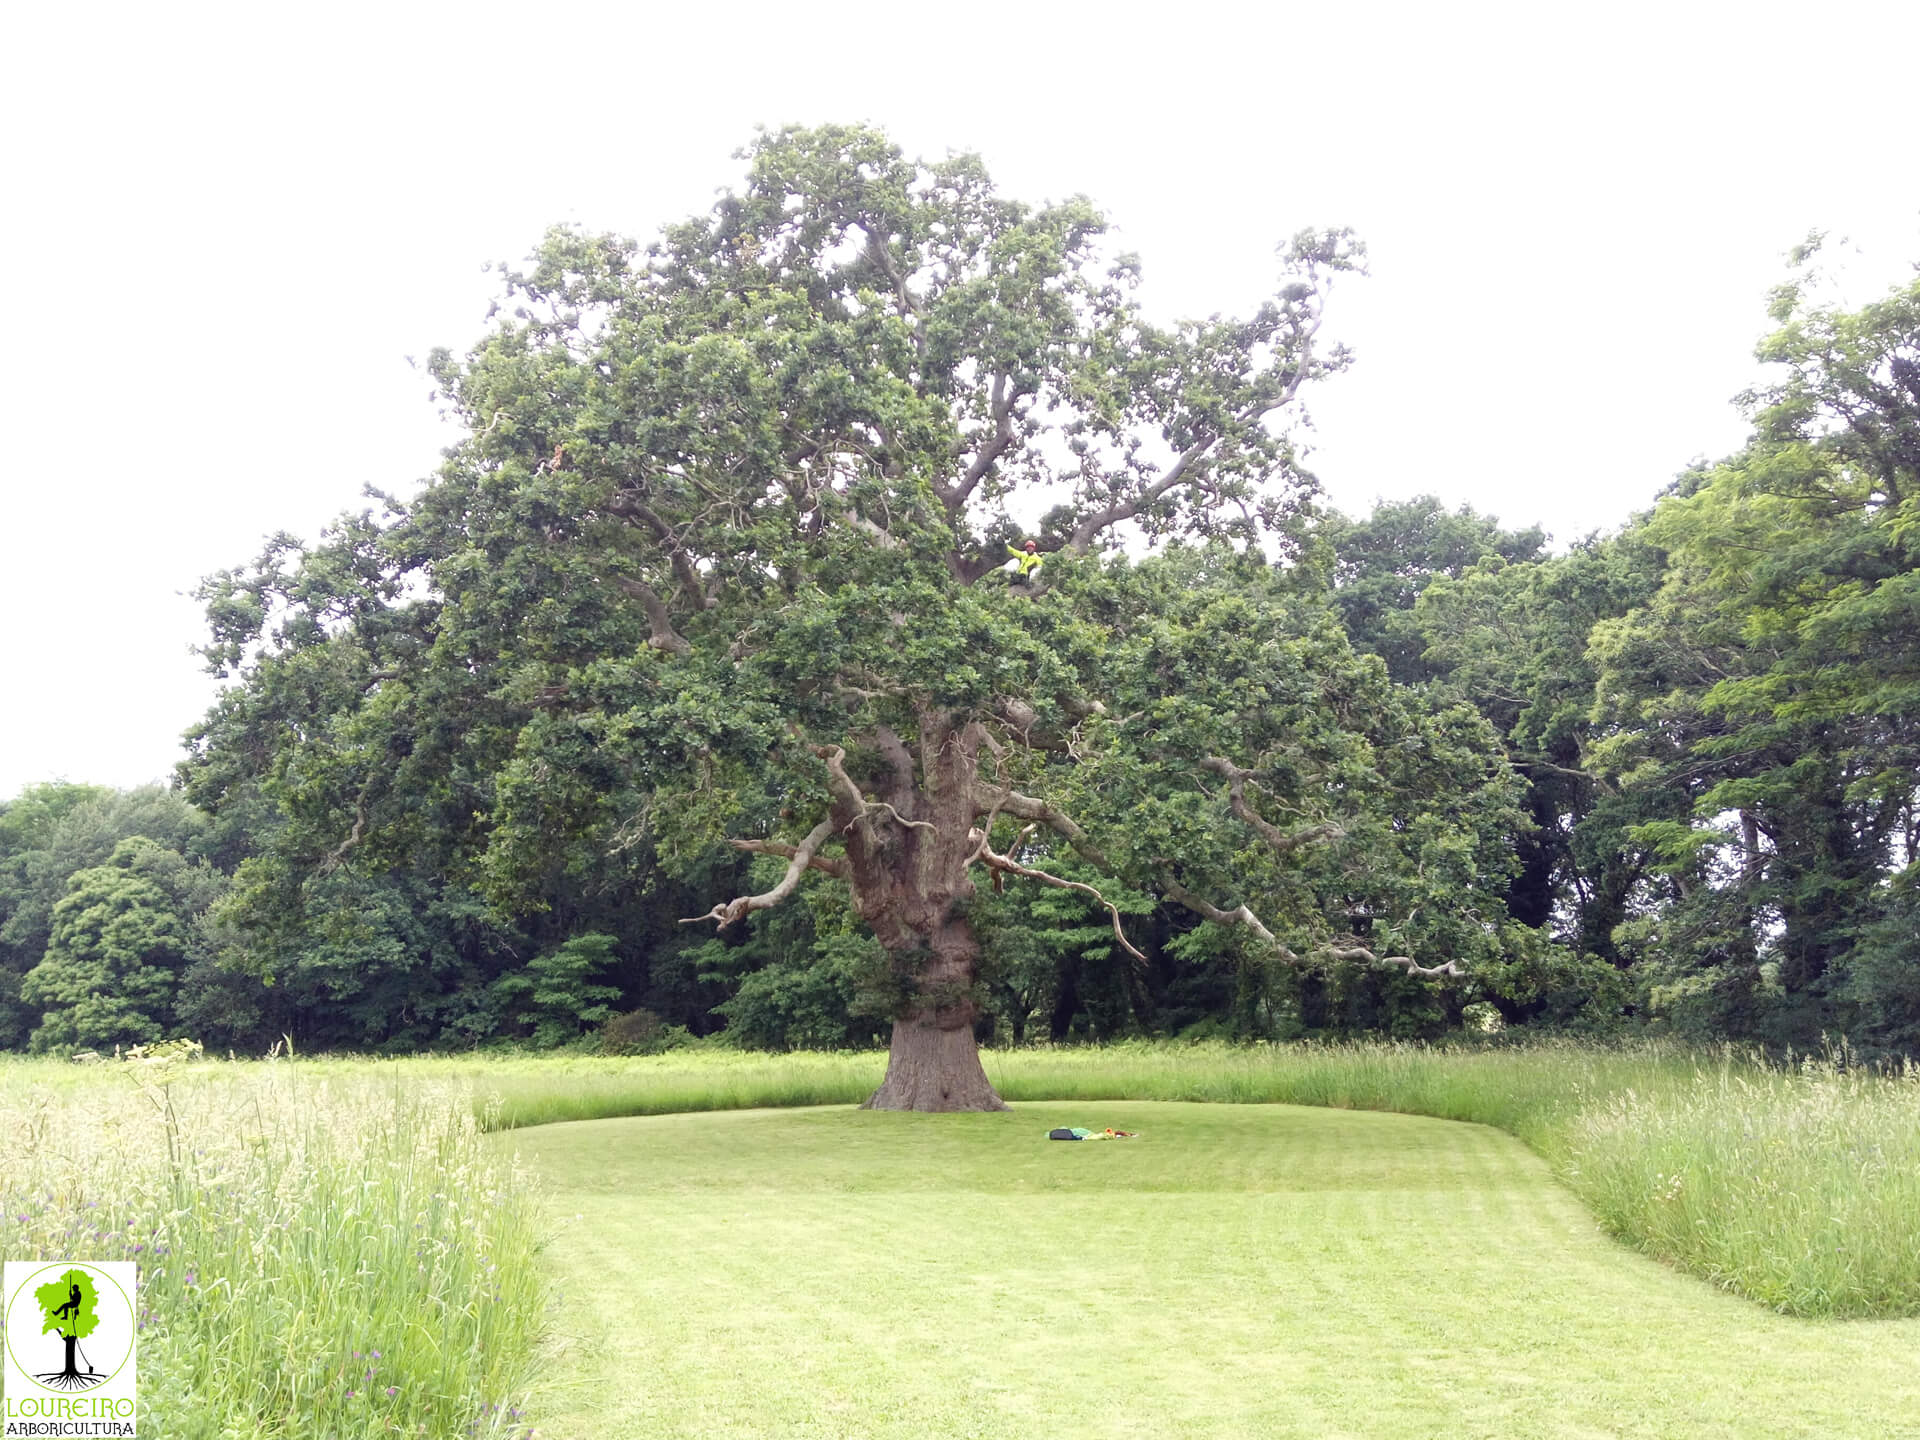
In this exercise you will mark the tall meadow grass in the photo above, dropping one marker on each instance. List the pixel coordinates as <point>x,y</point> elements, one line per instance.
<point>322,1253</point>
<point>539,1090</point>
<point>1798,1187</point>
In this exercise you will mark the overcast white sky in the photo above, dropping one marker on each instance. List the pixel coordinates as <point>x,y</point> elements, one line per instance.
<point>224,229</point>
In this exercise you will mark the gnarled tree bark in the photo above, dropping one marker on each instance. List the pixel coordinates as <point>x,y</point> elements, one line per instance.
<point>910,844</point>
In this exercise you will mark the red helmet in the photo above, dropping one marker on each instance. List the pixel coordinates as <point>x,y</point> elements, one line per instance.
<point>1032,546</point>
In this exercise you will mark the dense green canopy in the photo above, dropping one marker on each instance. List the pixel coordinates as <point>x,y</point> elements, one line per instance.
<point>725,559</point>
<point>849,615</point>
<point>121,935</point>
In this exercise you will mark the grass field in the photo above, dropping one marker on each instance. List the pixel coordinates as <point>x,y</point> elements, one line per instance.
<point>333,1248</point>
<point>1238,1271</point>
<point>1798,1187</point>
<point>322,1253</point>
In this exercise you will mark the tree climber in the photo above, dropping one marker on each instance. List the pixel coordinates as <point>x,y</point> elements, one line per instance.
<point>71,1307</point>
<point>1028,558</point>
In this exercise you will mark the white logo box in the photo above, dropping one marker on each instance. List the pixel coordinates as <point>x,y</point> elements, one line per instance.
<point>71,1333</point>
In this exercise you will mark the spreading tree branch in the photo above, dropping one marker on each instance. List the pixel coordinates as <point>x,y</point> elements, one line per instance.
<point>801,857</point>
<point>1188,467</point>
<point>1239,915</point>
<point>683,567</point>
<point>1024,718</point>
<point>995,861</point>
<point>1000,409</point>
<point>1283,842</point>
<point>904,300</point>
<point>1536,762</point>
<point>1084,534</point>
<point>1350,948</point>
<point>664,636</point>
<point>1026,807</point>
<point>355,836</point>
<point>1347,947</point>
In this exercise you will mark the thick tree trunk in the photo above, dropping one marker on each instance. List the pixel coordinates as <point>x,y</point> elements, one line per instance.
<point>908,870</point>
<point>934,1063</point>
<point>934,1066</point>
<point>69,1378</point>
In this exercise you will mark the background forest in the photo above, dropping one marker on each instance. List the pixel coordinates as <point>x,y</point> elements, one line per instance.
<point>1664,779</point>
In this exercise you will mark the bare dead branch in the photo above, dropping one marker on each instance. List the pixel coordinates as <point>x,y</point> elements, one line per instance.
<point>1239,915</point>
<point>1009,866</point>
<point>1026,807</point>
<point>850,806</point>
<point>980,836</point>
<point>875,806</point>
<point>1351,949</point>
<point>728,912</point>
<point>825,864</point>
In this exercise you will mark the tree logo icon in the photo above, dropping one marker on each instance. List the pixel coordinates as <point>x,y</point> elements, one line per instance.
<point>69,1325</point>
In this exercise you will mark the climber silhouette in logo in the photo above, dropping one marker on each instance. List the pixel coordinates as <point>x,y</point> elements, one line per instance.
<point>68,1308</point>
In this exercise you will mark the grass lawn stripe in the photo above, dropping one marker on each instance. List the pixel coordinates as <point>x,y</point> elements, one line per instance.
<point>1239,1271</point>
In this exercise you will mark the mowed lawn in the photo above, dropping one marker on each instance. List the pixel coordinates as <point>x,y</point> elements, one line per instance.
<point>1250,1270</point>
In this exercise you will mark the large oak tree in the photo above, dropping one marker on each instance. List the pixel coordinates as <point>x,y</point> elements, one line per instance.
<point>724,561</point>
